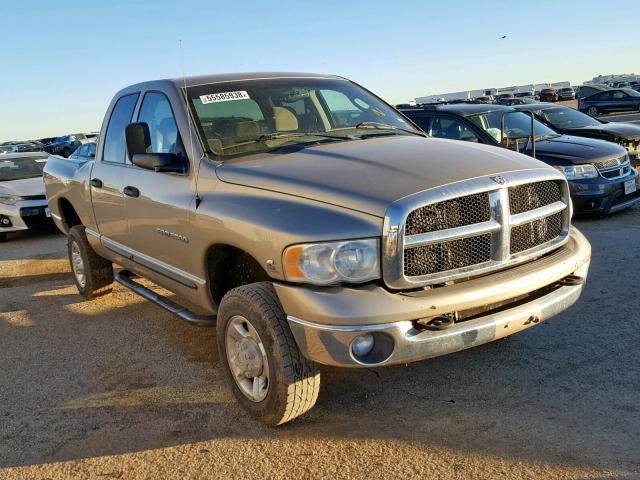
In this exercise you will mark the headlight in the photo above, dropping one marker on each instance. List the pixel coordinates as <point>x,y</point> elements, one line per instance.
<point>576,172</point>
<point>8,199</point>
<point>353,261</point>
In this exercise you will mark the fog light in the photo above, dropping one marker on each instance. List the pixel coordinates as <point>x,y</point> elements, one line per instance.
<point>4,221</point>
<point>362,345</point>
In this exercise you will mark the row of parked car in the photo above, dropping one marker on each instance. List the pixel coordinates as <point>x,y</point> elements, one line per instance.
<point>63,146</point>
<point>597,157</point>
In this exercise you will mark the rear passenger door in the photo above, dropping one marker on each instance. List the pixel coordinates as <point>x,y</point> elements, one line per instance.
<point>623,101</point>
<point>107,174</point>
<point>157,203</point>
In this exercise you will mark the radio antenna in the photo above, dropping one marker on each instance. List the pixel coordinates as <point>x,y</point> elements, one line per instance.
<point>186,95</point>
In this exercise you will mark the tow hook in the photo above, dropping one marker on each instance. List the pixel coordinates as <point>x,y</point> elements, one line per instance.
<point>571,281</point>
<point>441,322</point>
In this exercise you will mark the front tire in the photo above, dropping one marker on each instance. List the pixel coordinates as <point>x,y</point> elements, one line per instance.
<point>592,112</point>
<point>92,273</point>
<point>268,374</point>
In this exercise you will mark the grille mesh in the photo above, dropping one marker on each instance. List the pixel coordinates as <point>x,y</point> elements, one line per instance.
<point>538,232</point>
<point>441,257</point>
<point>618,172</point>
<point>611,163</point>
<point>530,196</point>
<point>457,212</point>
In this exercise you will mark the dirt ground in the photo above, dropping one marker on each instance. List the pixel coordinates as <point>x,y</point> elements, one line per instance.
<point>117,388</point>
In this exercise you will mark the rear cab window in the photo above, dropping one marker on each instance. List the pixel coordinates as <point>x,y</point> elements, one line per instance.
<point>114,150</point>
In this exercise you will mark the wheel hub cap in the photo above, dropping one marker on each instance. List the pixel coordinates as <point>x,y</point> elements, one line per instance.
<point>247,358</point>
<point>78,265</point>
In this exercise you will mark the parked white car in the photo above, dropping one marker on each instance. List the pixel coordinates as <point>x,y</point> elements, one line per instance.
<point>23,204</point>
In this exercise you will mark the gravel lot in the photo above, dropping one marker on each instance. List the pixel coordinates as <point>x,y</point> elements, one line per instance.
<point>117,388</point>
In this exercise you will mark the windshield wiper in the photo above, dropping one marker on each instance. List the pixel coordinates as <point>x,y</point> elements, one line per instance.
<point>388,127</point>
<point>547,136</point>
<point>277,136</point>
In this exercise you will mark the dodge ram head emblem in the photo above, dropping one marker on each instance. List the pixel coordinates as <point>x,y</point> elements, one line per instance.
<point>499,179</point>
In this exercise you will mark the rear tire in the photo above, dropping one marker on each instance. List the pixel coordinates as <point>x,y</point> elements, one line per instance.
<point>268,374</point>
<point>3,237</point>
<point>92,273</point>
<point>592,112</point>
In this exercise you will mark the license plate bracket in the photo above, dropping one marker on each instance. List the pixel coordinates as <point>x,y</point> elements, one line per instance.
<point>629,186</point>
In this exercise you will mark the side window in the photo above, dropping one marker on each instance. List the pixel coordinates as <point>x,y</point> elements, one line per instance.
<point>423,122</point>
<point>81,152</point>
<point>453,129</point>
<point>619,95</point>
<point>156,112</point>
<point>603,96</point>
<point>114,143</point>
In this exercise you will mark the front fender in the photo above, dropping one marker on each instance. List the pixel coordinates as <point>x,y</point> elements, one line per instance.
<point>263,223</point>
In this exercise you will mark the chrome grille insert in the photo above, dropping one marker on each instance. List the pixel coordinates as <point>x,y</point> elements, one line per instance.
<point>538,232</point>
<point>475,226</point>
<point>457,212</point>
<point>526,197</point>
<point>440,257</point>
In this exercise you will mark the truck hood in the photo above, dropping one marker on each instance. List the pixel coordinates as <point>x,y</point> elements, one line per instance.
<point>367,175</point>
<point>577,150</point>
<point>615,129</point>
<point>24,187</point>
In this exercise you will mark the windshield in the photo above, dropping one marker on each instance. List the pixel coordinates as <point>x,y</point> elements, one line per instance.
<point>566,118</point>
<point>632,92</point>
<point>19,168</point>
<point>516,125</point>
<point>252,116</point>
<point>6,148</point>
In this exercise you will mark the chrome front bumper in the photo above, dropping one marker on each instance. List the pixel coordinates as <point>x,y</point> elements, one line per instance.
<point>324,324</point>
<point>331,345</point>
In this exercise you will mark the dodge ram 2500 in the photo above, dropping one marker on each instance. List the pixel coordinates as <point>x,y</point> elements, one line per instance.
<point>312,223</point>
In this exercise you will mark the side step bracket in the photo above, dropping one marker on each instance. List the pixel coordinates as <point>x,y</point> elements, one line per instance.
<point>126,278</point>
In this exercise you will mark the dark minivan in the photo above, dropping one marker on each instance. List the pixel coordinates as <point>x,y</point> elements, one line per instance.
<point>601,178</point>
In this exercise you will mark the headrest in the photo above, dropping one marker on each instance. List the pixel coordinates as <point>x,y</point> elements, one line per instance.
<point>249,129</point>
<point>285,120</point>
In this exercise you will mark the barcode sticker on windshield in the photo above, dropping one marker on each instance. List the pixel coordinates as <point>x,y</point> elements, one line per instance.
<point>224,96</point>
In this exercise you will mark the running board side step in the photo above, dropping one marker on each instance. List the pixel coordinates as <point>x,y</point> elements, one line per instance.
<point>125,278</point>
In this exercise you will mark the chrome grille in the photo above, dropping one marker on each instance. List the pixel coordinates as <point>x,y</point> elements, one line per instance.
<point>523,198</point>
<point>440,257</point>
<point>530,235</point>
<point>610,163</point>
<point>613,167</point>
<point>449,214</point>
<point>475,226</point>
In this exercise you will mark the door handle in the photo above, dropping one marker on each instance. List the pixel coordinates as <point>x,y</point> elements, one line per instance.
<point>131,191</point>
<point>96,182</point>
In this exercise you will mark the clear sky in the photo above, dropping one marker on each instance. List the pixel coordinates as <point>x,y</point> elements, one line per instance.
<point>62,61</point>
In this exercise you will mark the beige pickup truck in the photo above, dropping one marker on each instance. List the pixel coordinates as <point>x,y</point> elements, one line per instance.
<point>312,223</point>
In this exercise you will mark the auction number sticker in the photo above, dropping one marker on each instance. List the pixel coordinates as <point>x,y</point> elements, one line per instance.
<point>224,97</point>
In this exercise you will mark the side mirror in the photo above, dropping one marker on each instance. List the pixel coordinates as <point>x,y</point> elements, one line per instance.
<point>160,162</point>
<point>138,140</point>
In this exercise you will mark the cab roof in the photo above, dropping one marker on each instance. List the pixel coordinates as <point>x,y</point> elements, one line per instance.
<point>228,77</point>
